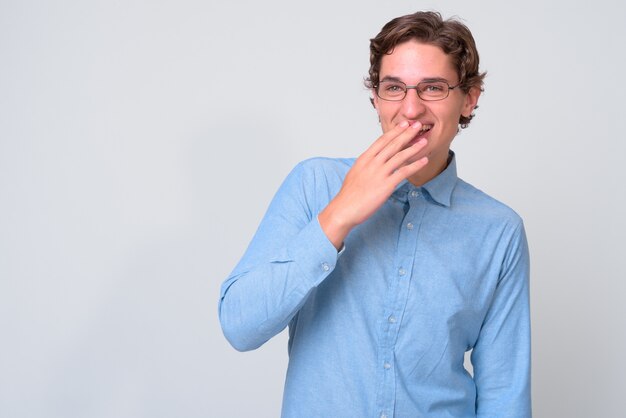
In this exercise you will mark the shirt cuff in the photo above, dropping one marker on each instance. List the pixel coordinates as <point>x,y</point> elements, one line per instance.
<point>314,254</point>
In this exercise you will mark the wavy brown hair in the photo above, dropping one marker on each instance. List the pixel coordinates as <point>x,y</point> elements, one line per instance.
<point>452,36</point>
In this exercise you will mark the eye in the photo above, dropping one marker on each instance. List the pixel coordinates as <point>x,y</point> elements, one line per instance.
<point>435,88</point>
<point>391,89</point>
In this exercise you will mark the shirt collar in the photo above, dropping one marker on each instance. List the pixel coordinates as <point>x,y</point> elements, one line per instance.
<point>439,188</point>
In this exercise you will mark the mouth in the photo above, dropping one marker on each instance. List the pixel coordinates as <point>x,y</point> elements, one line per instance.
<point>421,133</point>
<point>425,128</point>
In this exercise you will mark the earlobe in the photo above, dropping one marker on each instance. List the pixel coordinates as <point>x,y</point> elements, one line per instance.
<point>470,111</point>
<point>471,101</point>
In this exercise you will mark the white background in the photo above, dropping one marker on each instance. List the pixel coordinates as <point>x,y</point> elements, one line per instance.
<point>141,141</point>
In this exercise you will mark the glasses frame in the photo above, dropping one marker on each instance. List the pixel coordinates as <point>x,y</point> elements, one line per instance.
<point>415,87</point>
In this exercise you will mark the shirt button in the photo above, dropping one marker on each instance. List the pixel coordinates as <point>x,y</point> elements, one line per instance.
<point>392,319</point>
<point>383,415</point>
<point>325,266</point>
<point>402,272</point>
<point>409,226</point>
<point>387,366</point>
<point>414,193</point>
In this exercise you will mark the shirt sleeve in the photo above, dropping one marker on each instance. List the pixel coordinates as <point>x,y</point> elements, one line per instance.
<point>501,355</point>
<point>288,257</point>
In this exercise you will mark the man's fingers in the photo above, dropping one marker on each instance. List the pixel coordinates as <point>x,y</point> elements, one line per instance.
<point>402,152</point>
<point>408,170</point>
<point>386,138</point>
<point>399,142</point>
<point>406,156</point>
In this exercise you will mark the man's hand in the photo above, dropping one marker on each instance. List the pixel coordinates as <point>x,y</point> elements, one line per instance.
<point>372,179</point>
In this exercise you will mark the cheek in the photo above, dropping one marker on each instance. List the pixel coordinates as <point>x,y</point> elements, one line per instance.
<point>450,118</point>
<point>387,118</point>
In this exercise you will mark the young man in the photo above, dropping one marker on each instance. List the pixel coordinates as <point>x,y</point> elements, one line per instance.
<point>388,268</point>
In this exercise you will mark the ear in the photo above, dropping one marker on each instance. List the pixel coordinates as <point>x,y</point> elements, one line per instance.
<point>471,101</point>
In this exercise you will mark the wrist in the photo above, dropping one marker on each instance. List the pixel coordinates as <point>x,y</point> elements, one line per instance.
<point>335,229</point>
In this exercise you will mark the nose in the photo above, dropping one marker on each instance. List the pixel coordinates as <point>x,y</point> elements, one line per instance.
<point>412,105</point>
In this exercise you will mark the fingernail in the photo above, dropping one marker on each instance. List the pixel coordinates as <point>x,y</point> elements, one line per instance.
<point>416,125</point>
<point>404,124</point>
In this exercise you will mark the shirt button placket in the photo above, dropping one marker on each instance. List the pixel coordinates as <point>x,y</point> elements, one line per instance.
<point>405,258</point>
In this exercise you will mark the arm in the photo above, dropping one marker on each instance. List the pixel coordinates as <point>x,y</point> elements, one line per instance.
<point>294,249</point>
<point>501,356</point>
<point>288,256</point>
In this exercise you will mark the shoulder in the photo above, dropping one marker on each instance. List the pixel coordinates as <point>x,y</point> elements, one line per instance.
<point>476,202</point>
<point>321,171</point>
<point>313,182</point>
<point>499,228</point>
<point>325,165</point>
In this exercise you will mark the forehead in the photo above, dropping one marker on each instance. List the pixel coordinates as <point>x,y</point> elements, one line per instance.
<point>413,61</point>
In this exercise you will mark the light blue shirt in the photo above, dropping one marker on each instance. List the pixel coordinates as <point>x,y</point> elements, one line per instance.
<point>381,329</point>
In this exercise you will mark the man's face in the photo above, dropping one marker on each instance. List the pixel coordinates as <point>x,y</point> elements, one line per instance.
<point>412,62</point>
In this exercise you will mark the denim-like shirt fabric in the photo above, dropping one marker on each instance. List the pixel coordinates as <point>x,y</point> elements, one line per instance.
<point>380,329</point>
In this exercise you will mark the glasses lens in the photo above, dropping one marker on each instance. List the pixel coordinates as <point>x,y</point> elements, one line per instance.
<point>435,90</point>
<point>391,90</point>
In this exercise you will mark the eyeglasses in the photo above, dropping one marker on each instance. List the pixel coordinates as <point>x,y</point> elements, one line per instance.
<point>395,91</point>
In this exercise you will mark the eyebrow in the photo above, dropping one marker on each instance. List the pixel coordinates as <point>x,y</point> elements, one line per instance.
<point>425,80</point>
